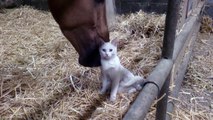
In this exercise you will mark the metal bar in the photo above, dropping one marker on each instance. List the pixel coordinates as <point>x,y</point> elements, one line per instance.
<point>167,52</point>
<point>140,107</point>
<point>170,28</point>
<point>162,104</point>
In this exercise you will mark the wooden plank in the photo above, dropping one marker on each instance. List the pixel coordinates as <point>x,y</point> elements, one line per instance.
<point>180,45</point>
<point>181,73</point>
<point>192,4</point>
<point>182,57</point>
<point>182,37</point>
<point>182,14</point>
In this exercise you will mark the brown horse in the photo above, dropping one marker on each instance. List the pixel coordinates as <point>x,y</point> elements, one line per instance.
<point>84,24</point>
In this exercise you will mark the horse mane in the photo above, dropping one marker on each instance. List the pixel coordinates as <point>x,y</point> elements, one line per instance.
<point>110,12</point>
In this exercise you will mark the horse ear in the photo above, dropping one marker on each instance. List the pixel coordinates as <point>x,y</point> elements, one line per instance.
<point>115,42</point>
<point>101,41</point>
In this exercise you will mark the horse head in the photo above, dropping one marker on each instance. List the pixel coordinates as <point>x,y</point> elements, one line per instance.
<point>84,24</point>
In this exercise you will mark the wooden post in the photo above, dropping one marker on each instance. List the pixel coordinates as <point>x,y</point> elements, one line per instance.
<point>168,47</point>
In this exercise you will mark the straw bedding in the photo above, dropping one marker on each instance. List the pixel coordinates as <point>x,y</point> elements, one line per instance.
<point>41,79</point>
<point>195,98</point>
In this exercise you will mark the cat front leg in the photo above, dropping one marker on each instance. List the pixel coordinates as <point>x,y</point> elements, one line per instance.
<point>105,84</point>
<point>114,89</point>
<point>132,90</point>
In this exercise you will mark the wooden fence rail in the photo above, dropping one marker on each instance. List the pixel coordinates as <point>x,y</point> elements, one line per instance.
<point>188,37</point>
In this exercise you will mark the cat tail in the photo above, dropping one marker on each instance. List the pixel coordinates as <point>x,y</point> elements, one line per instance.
<point>136,80</point>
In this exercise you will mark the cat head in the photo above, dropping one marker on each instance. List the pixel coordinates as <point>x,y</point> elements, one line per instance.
<point>108,50</point>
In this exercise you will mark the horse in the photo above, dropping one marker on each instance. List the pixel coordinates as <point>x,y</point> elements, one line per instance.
<point>85,24</point>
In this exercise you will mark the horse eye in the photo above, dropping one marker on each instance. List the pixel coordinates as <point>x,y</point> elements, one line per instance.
<point>110,50</point>
<point>104,50</point>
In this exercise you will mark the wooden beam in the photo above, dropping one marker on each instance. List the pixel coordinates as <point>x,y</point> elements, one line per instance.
<point>182,57</point>
<point>182,12</point>
<point>181,73</point>
<point>140,107</point>
<point>183,37</point>
<point>181,43</point>
<point>185,31</point>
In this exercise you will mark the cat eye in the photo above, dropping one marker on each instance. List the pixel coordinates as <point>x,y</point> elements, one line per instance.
<point>104,50</point>
<point>110,50</point>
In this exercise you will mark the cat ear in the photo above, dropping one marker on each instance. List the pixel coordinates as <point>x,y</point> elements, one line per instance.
<point>114,42</point>
<point>101,41</point>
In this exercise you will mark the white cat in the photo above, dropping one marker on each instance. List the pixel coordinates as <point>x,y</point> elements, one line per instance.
<point>113,75</point>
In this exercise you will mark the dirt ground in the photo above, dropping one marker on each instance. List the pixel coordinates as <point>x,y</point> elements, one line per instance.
<point>40,78</point>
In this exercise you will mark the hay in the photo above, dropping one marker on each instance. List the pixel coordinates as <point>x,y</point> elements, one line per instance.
<point>206,24</point>
<point>41,79</point>
<point>140,35</point>
<point>40,76</point>
<point>197,90</point>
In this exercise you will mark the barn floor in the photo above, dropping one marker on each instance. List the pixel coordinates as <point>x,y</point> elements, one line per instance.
<point>40,78</point>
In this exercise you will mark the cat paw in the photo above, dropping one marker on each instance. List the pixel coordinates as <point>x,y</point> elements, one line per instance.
<point>102,92</point>
<point>132,90</point>
<point>112,98</point>
<point>138,87</point>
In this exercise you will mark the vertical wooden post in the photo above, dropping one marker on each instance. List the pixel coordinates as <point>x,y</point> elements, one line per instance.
<point>167,53</point>
<point>170,28</point>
